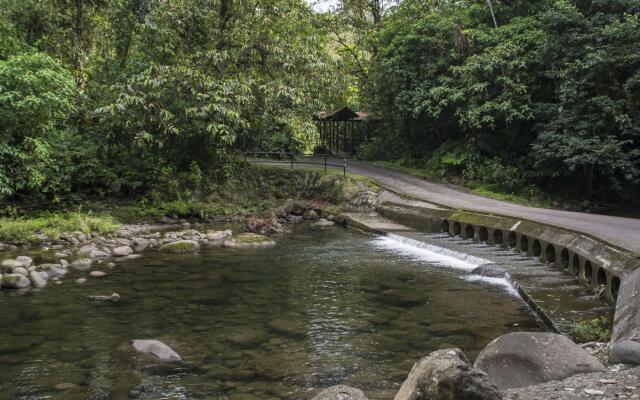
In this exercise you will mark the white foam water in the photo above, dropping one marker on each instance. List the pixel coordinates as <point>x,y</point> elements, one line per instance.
<point>432,254</point>
<point>439,256</point>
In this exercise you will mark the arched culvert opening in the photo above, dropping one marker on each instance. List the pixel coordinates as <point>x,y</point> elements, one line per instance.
<point>564,258</point>
<point>512,239</point>
<point>497,236</point>
<point>575,265</point>
<point>457,228</point>
<point>524,244</point>
<point>601,277</point>
<point>469,231</point>
<point>615,287</point>
<point>588,271</point>
<point>483,234</point>
<point>445,226</point>
<point>536,249</point>
<point>550,254</point>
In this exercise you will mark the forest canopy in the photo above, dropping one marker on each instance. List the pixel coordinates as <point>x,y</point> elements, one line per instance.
<point>110,97</point>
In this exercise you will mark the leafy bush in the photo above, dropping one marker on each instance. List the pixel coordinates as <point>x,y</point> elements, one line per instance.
<point>595,330</point>
<point>493,172</point>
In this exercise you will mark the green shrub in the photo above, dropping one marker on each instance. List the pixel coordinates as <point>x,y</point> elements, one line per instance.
<point>595,330</point>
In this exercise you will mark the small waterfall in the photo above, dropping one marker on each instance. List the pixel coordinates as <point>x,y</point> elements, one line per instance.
<point>427,252</point>
<point>440,256</point>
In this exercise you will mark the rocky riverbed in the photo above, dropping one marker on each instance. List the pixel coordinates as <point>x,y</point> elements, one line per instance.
<point>34,266</point>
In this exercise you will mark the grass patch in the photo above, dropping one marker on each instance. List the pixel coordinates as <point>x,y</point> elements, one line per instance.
<point>510,197</point>
<point>53,224</point>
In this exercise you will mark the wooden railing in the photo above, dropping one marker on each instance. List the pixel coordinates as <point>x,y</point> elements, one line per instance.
<point>325,160</point>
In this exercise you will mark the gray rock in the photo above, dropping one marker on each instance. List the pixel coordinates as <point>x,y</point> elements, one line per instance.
<point>340,392</point>
<point>80,281</point>
<point>310,214</point>
<point>490,270</point>
<point>97,274</point>
<point>528,358</point>
<point>447,375</point>
<point>15,281</point>
<point>7,266</point>
<point>219,235</point>
<point>140,244</point>
<point>64,263</point>
<point>625,336</point>
<point>180,246</point>
<point>82,264</point>
<point>324,222</point>
<point>86,250</point>
<point>26,261</point>
<point>156,349</point>
<point>98,254</point>
<point>122,251</point>
<point>37,281</point>
<point>21,271</point>
<point>249,240</point>
<point>55,272</point>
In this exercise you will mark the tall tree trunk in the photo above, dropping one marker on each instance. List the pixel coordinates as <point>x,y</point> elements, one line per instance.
<point>78,30</point>
<point>493,16</point>
<point>588,180</point>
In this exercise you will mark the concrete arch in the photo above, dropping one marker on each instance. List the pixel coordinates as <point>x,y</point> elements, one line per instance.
<point>524,244</point>
<point>469,231</point>
<point>497,237</point>
<point>564,259</point>
<point>536,248</point>
<point>615,287</point>
<point>513,240</point>
<point>601,277</point>
<point>457,229</point>
<point>445,226</point>
<point>483,234</point>
<point>575,265</point>
<point>588,272</point>
<point>550,254</point>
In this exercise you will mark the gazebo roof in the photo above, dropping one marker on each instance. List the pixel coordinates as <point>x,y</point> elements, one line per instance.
<point>341,114</point>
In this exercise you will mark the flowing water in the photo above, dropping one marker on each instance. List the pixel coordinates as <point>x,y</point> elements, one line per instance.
<point>322,307</point>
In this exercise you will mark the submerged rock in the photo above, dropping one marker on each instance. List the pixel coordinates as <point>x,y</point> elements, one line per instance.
<point>180,246</point>
<point>490,270</point>
<point>324,222</point>
<point>447,375</point>
<point>15,281</point>
<point>340,392</point>
<point>82,264</point>
<point>112,298</point>
<point>249,240</point>
<point>155,348</point>
<point>625,336</point>
<point>288,327</point>
<point>528,358</point>
<point>219,235</point>
<point>122,251</point>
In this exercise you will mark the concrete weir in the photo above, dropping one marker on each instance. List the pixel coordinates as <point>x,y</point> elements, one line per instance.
<point>575,262</point>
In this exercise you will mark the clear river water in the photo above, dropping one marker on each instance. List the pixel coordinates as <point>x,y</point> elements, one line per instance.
<point>324,306</point>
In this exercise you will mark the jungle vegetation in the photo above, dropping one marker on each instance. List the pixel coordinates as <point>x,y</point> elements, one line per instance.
<point>124,98</point>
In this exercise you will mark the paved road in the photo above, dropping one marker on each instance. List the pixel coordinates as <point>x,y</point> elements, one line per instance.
<point>621,232</point>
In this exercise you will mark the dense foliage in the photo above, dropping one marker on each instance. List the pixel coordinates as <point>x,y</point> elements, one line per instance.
<point>119,97</point>
<point>100,97</point>
<point>548,97</point>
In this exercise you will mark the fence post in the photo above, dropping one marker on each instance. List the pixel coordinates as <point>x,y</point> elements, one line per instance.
<point>291,154</point>
<point>345,167</point>
<point>325,162</point>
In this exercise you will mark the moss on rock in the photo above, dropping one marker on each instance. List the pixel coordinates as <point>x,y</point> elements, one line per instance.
<point>249,240</point>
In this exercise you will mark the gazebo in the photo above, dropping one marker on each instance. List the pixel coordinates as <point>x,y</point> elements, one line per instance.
<point>342,131</point>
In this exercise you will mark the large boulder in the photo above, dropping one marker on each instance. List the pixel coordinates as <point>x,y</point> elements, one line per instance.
<point>246,240</point>
<point>219,235</point>
<point>180,246</point>
<point>26,261</point>
<point>625,336</point>
<point>447,375</point>
<point>528,358</point>
<point>15,281</point>
<point>156,349</point>
<point>340,392</point>
<point>8,266</point>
